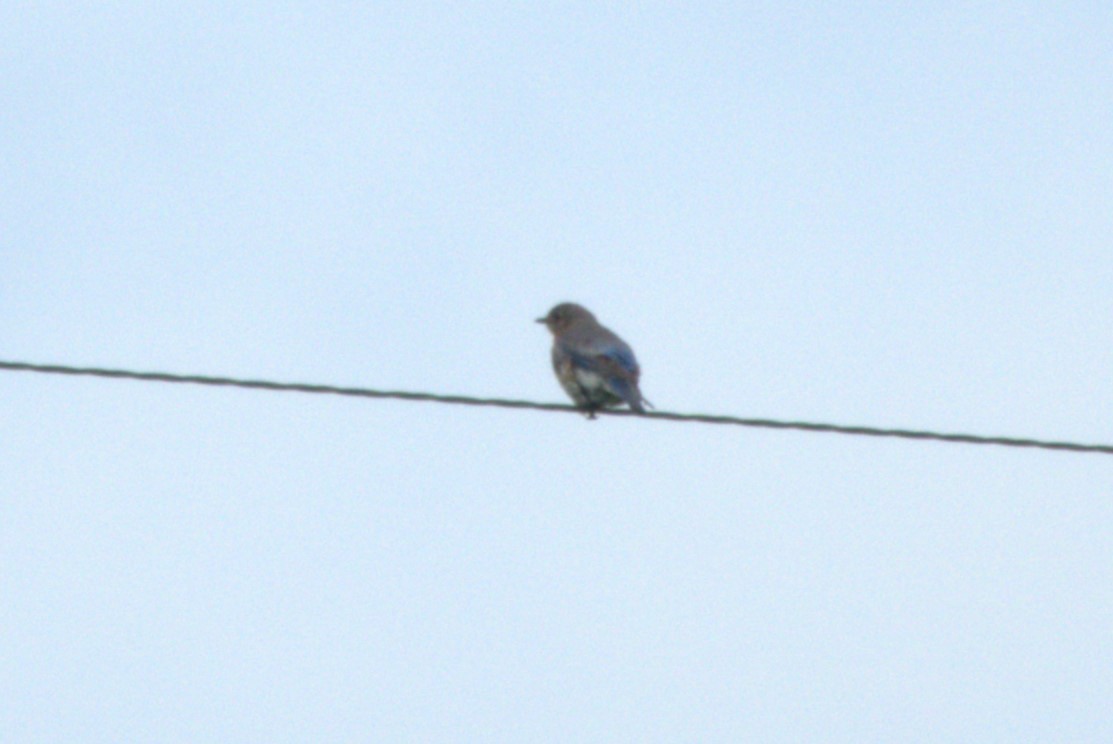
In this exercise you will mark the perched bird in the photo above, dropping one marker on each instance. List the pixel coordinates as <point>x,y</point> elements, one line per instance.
<point>594,366</point>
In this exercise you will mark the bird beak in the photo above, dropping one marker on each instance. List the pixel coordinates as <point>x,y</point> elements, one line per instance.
<point>541,320</point>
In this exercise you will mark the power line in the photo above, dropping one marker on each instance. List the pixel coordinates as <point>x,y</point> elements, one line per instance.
<point>297,387</point>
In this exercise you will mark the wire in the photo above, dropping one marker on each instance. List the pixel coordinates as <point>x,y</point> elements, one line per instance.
<point>297,387</point>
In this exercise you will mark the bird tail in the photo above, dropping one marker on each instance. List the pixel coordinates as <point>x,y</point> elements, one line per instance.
<point>629,392</point>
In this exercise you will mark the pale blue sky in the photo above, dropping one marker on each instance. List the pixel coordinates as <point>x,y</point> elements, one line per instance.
<point>891,214</point>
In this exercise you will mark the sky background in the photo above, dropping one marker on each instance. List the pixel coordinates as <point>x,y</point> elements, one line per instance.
<point>885,214</point>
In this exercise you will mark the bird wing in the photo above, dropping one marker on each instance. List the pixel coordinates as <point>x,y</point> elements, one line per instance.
<point>593,348</point>
<point>608,360</point>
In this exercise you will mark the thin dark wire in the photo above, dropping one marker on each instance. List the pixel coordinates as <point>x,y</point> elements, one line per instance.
<point>465,400</point>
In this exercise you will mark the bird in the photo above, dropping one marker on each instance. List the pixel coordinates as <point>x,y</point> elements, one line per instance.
<point>594,366</point>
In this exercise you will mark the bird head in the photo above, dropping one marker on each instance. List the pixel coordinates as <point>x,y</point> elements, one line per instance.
<point>564,316</point>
